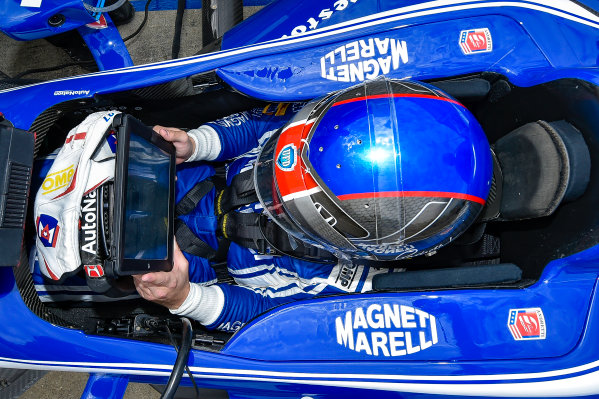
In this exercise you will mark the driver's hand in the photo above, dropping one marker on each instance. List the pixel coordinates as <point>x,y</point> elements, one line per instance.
<point>166,288</point>
<point>184,146</point>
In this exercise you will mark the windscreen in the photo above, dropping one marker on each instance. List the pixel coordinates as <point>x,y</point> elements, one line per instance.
<point>147,201</point>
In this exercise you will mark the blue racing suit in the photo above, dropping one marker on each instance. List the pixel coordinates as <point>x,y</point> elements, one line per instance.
<point>263,281</point>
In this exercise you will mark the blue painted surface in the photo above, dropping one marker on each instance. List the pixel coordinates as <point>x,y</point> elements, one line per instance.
<point>28,23</point>
<point>106,45</point>
<point>303,348</point>
<point>159,5</point>
<point>105,386</point>
<point>433,144</point>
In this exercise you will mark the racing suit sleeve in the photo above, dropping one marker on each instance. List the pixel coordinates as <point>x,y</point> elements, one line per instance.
<point>225,307</point>
<point>237,134</point>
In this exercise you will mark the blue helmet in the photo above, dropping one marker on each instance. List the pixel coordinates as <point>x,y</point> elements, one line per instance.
<point>383,170</point>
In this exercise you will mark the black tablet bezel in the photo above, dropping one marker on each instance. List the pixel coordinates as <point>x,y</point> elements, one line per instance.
<point>121,266</point>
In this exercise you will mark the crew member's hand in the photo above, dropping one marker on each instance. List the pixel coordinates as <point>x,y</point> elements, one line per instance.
<point>184,146</point>
<point>166,288</point>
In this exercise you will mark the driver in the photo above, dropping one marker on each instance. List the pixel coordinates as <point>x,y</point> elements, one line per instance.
<point>311,194</point>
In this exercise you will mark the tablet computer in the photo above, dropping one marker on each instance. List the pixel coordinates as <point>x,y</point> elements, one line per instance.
<point>144,200</point>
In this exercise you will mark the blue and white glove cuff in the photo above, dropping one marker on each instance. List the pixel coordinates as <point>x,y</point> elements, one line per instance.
<point>203,304</point>
<point>207,144</point>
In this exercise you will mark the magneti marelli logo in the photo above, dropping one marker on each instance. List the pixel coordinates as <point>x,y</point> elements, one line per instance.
<point>364,59</point>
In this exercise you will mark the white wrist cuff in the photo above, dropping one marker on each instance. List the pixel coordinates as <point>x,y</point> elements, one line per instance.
<point>203,304</point>
<point>207,144</point>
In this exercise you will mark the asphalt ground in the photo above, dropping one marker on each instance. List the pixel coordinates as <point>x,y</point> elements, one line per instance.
<point>146,47</point>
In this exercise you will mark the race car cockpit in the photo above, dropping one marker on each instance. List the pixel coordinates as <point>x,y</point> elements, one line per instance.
<point>541,163</point>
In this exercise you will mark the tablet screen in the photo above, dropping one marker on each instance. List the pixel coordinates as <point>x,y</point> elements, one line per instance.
<point>146,201</point>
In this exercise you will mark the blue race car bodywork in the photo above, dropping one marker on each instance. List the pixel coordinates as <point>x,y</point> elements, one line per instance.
<point>536,337</point>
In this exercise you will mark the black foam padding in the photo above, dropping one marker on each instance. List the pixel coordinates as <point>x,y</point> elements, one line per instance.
<point>465,89</point>
<point>448,278</point>
<point>535,168</point>
<point>579,159</point>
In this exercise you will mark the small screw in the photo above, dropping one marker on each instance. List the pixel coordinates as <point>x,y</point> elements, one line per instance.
<point>338,166</point>
<point>336,127</point>
<point>359,141</point>
<point>321,149</point>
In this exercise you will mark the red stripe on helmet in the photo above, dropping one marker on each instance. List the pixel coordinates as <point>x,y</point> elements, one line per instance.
<point>427,194</point>
<point>396,95</point>
<point>294,180</point>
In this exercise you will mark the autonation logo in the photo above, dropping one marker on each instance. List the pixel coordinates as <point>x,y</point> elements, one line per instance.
<point>364,59</point>
<point>71,92</point>
<point>387,330</point>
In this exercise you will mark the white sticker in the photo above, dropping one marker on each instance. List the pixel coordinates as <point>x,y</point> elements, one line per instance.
<point>31,3</point>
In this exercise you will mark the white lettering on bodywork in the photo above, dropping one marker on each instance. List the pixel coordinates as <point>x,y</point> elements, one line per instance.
<point>363,59</point>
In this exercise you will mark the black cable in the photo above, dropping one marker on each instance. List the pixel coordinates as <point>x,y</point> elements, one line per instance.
<point>178,25</point>
<point>173,343</point>
<point>143,23</point>
<point>181,361</point>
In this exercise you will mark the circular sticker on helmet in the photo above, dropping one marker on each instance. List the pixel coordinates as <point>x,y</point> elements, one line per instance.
<point>287,158</point>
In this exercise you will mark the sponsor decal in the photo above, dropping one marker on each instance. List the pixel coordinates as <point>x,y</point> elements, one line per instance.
<point>476,41</point>
<point>94,271</point>
<point>71,92</point>
<point>387,248</point>
<point>276,109</point>
<point>527,324</point>
<point>76,136</point>
<point>233,120</point>
<point>31,3</point>
<point>99,24</point>
<point>363,59</point>
<point>230,326</point>
<point>388,330</point>
<point>108,116</point>
<point>88,218</point>
<point>287,158</point>
<point>58,180</point>
<point>347,274</point>
<point>324,14</point>
<point>111,139</point>
<point>47,230</point>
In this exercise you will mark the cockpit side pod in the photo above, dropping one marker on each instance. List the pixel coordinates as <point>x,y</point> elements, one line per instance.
<point>455,325</point>
<point>421,51</point>
<point>566,45</point>
<point>421,41</point>
<point>462,341</point>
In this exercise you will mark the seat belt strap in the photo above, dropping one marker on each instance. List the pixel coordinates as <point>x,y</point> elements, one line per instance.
<point>193,197</point>
<point>190,243</point>
<point>240,192</point>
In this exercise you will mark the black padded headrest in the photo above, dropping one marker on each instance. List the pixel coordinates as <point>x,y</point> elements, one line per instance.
<point>542,164</point>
